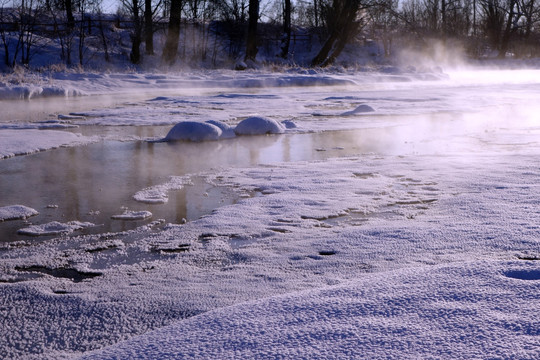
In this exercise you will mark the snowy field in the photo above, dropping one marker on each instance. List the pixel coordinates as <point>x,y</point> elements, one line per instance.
<point>388,214</point>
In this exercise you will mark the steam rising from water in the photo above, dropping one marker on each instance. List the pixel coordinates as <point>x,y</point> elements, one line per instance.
<point>434,53</point>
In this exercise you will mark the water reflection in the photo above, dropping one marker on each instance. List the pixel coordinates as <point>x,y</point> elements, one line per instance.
<point>92,183</point>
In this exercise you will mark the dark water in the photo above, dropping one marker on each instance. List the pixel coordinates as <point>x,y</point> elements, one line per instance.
<point>93,182</point>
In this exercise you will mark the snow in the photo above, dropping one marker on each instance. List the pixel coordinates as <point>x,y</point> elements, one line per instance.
<point>391,315</point>
<point>359,110</point>
<point>54,228</point>
<point>23,142</point>
<point>193,131</point>
<point>227,131</point>
<point>132,215</point>
<point>158,194</point>
<point>256,125</point>
<point>14,212</point>
<point>414,234</point>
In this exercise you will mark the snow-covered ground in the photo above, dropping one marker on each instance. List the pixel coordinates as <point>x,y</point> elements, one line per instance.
<point>418,239</point>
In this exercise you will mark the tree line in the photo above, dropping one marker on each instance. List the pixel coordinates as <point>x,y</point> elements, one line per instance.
<point>497,26</point>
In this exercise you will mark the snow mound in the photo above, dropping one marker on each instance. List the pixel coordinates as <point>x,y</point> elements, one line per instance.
<point>54,228</point>
<point>256,125</point>
<point>132,215</point>
<point>193,131</point>
<point>289,124</point>
<point>359,110</point>
<point>15,212</point>
<point>227,132</point>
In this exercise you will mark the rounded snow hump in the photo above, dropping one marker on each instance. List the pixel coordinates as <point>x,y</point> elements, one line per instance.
<point>193,131</point>
<point>256,125</point>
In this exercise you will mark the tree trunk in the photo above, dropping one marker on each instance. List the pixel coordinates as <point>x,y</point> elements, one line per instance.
<point>173,33</point>
<point>148,27</point>
<point>505,42</point>
<point>251,45</point>
<point>286,29</point>
<point>340,33</point>
<point>136,36</point>
<point>444,27</point>
<point>69,14</point>
<point>321,57</point>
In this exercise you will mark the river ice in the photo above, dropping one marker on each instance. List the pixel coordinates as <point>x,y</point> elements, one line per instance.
<point>425,245</point>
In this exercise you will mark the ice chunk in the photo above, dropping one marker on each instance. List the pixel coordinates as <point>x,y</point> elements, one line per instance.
<point>54,228</point>
<point>14,212</point>
<point>158,194</point>
<point>193,131</point>
<point>256,125</point>
<point>132,215</point>
<point>152,196</point>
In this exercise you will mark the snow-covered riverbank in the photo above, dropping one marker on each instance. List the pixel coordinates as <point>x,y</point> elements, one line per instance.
<point>426,246</point>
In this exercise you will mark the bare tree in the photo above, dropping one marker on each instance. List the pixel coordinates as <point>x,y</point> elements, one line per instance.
<point>149,27</point>
<point>384,21</point>
<point>493,20</point>
<point>22,40</point>
<point>530,11</point>
<point>198,13</point>
<point>68,5</point>
<point>251,43</point>
<point>134,8</point>
<point>64,33</point>
<point>510,26</point>
<point>286,42</point>
<point>346,24</point>
<point>173,32</point>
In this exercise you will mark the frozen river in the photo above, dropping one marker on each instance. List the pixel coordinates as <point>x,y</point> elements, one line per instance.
<point>94,182</point>
<point>403,207</point>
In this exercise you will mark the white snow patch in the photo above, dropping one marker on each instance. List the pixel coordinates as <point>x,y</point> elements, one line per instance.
<point>132,215</point>
<point>158,194</point>
<point>14,212</point>
<point>461,311</point>
<point>31,91</point>
<point>23,142</point>
<point>54,228</point>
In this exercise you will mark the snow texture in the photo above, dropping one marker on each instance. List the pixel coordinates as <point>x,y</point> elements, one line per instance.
<point>256,125</point>
<point>54,228</point>
<point>227,131</point>
<point>421,242</point>
<point>412,313</point>
<point>14,212</point>
<point>193,131</point>
<point>158,194</point>
<point>132,215</point>
<point>359,110</point>
<point>23,142</point>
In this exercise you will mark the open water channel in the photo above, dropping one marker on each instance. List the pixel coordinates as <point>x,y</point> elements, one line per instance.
<point>91,183</point>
